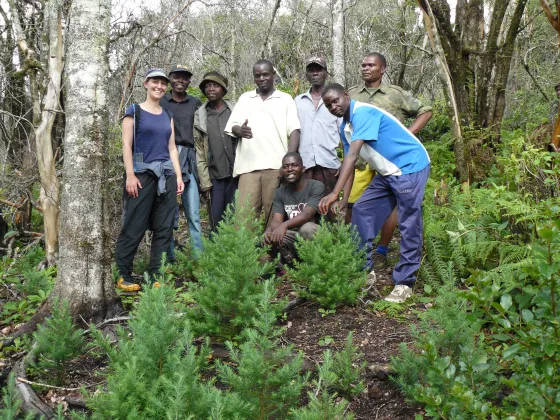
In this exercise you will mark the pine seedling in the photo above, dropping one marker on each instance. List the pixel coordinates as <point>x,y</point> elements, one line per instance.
<point>322,403</point>
<point>11,404</point>
<point>330,269</point>
<point>58,340</point>
<point>268,375</point>
<point>230,274</point>
<point>156,371</point>
<point>348,368</point>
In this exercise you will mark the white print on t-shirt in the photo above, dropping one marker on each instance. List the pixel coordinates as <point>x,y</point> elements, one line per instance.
<point>293,210</point>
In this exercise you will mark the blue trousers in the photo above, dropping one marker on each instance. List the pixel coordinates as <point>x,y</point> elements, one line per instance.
<point>376,204</point>
<point>191,205</point>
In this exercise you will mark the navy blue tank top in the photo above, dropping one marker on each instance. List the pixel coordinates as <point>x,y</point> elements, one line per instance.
<point>152,135</point>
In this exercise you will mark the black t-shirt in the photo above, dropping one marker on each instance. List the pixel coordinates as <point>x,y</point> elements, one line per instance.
<point>183,117</point>
<point>291,203</point>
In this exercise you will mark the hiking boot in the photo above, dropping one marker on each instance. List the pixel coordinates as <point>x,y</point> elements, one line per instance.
<point>126,286</point>
<point>400,293</point>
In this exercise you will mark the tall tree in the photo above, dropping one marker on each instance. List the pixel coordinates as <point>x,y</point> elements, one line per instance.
<point>555,22</point>
<point>84,273</point>
<point>45,105</point>
<point>338,41</point>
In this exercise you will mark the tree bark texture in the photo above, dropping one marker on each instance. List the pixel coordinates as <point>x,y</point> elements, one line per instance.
<point>479,57</point>
<point>459,144</point>
<point>338,41</point>
<point>84,277</point>
<point>44,112</point>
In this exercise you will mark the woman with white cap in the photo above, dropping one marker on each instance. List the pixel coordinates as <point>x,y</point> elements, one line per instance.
<point>153,178</point>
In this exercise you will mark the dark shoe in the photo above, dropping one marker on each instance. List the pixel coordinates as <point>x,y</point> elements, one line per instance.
<point>127,286</point>
<point>379,261</point>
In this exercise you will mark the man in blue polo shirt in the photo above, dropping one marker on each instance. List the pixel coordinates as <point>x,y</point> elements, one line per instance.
<point>403,166</point>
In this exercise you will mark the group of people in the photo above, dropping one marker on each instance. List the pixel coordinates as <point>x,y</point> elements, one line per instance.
<point>280,154</point>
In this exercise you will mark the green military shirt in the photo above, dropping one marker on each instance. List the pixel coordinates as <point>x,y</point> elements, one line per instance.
<point>390,98</point>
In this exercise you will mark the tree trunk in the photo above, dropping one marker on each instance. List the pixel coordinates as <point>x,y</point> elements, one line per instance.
<point>338,41</point>
<point>43,132</point>
<point>266,44</point>
<point>84,274</point>
<point>459,147</point>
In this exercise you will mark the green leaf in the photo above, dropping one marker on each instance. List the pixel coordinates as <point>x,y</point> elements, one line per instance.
<point>527,315</point>
<point>511,350</point>
<point>505,302</point>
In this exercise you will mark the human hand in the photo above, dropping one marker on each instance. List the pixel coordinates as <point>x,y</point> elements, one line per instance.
<point>180,185</point>
<point>326,202</point>
<point>278,233</point>
<point>339,208</point>
<point>246,131</point>
<point>132,185</point>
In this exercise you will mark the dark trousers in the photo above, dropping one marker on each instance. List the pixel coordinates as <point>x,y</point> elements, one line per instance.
<point>327,176</point>
<point>222,194</point>
<point>376,204</point>
<point>147,211</point>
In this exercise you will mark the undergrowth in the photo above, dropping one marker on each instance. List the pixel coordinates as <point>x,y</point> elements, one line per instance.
<point>330,267</point>
<point>489,346</point>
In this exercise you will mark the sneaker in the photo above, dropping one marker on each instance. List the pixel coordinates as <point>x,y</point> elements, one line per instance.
<point>400,293</point>
<point>371,278</point>
<point>127,286</point>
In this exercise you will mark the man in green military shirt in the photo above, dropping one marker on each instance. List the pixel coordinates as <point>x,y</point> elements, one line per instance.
<point>402,105</point>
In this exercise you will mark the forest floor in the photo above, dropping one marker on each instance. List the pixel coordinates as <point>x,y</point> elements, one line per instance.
<point>378,329</point>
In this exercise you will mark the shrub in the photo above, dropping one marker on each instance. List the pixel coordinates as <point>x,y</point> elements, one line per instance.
<point>347,369</point>
<point>330,269</point>
<point>155,371</point>
<point>58,340</point>
<point>268,374</point>
<point>230,274</point>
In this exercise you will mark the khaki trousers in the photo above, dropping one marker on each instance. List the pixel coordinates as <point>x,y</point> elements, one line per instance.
<point>256,190</point>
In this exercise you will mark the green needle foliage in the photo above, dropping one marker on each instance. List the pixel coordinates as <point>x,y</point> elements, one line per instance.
<point>155,371</point>
<point>230,274</point>
<point>11,404</point>
<point>268,375</point>
<point>330,269</point>
<point>58,341</point>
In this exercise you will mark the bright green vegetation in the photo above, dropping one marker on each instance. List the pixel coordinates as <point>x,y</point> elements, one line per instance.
<point>490,345</point>
<point>330,270</point>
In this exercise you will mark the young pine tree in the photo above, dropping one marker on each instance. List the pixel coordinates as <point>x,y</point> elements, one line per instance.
<point>268,375</point>
<point>230,275</point>
<point>330,269</point>
<point>58,341</point>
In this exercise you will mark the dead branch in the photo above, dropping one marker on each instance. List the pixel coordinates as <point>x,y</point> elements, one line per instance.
<point>60,388</point>
<point>136,58</point>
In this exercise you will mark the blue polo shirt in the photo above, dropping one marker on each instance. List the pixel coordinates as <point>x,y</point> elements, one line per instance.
<point>389,147</point>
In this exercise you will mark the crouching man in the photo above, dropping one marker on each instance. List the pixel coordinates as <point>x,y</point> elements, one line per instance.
<point>294,208</point>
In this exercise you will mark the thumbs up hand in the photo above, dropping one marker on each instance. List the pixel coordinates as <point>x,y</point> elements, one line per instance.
<point>246,130</point>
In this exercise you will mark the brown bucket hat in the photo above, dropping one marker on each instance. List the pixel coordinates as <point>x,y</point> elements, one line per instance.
<point>214,76</point>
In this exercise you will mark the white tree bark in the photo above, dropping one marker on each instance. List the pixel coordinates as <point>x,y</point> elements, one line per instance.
<point>338,41</point>
<point>84,264</point>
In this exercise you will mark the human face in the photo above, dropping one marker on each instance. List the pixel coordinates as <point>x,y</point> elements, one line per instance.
<point>337,103</point>
<point>180,81</point>
<point>372,70</point>
<point>263,74</point>
<point>315,74</point>
<point>213,91</point>
<point>155,87</point>
<point>291,169</point>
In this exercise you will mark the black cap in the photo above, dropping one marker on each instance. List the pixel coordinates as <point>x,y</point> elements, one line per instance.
<point>179,68</point>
